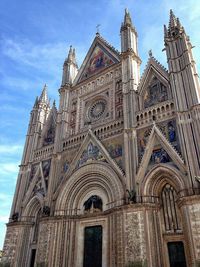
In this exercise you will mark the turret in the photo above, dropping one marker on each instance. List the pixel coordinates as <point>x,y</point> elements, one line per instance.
<point>182,69</point>
<point>186,93</point>
<point>38,116</point>
<point>130,78</point>
<point>70,68</point>
<point>128,35</point>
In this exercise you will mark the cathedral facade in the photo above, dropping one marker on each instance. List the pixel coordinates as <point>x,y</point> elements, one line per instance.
<point>112,177</point>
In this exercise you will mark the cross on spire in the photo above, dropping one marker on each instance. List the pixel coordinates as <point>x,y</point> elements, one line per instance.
<point>97,27</point>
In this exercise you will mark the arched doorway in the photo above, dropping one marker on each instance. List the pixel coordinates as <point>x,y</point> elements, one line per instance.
<point>166,229</point>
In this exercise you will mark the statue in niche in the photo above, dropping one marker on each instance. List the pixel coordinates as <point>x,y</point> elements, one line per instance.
<point>93,204</point>
<point>171,132</point>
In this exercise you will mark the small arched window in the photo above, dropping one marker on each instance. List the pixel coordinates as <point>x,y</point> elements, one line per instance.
<point>36,226</point>
<point>171,213</point>
<point>93,204</point>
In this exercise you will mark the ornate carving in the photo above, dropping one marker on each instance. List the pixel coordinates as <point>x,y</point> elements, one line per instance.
<point>45,236</point>
<point>10,246</point>
<point>135,238</point>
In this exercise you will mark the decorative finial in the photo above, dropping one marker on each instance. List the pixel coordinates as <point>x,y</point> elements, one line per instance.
<point>127,18</point>
<point>97,27</point>
<point>150,53</point>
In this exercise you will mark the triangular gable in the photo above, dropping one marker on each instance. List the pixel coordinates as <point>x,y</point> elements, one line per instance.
<point>92,150</point>
<point>39,182</point>
<point>100,56</point>
<point>153,69</point>
<point>48,131</point>
<point>167,152</point>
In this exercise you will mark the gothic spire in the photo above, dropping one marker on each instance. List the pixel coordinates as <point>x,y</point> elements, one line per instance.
<point>70,55</point>
<point>36,102</point>
<point>44,97</point>
<point>172,20</point>
<point>70,67</point>
<point>127,18</point>
<point>174,27</point>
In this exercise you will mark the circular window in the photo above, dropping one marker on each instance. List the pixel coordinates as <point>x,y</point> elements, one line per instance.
<point>97,109</point>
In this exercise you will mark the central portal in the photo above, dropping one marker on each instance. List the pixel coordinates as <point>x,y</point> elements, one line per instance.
<point>93,246</point>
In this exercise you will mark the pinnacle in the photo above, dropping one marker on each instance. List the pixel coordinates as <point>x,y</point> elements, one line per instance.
<point>172,20</point>
<point>71,58</point>
<point>36,102</point>
<point>127,18</point>
<point>44,97</point>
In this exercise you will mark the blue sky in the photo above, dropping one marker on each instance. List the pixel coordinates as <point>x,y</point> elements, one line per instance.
<point>34,40</point>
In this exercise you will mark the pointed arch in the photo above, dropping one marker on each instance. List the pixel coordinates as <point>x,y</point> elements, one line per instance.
<point>96,178</point>
<point>158,176</point>
<point>33,206</point>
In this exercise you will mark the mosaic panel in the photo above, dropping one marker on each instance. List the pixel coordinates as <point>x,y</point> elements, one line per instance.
<point>115,149</point>
<point>50,136</point>
<point>100,59</point>
<point>91,153</point>
<point>155,93</point>
<point>168,128</point>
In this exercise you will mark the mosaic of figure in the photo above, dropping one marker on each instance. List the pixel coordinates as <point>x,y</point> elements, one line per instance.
<point>98,60</point>
<point>93,204</point>
<point>142,141</point>
<point>171,132</point>
<point>159,156</point>
<point>33,171</point>
<point>65,166</point>
<point>91,153</point>
<point>115,150</point>
<point>49,139</point>
<point>46,167</point>
<point>155,93</point>
<point>38,188</point>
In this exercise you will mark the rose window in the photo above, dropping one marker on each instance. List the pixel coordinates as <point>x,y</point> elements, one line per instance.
<point>97,110</point>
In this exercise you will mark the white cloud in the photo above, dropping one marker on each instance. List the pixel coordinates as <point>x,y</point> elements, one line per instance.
<point>7,168</point>
<point>4,219</point>
<point>11,149</point>
<point>31,54</point>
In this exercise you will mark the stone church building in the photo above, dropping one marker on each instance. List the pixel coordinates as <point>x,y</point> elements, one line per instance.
<point>112,177</point>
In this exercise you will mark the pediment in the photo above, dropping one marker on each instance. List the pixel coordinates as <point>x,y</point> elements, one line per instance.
<point>38,180</point>
<point>100,56</point>
<point>153,70</point>
<point>159,151</point>
<point>49,129</point>
<point>92,150</point>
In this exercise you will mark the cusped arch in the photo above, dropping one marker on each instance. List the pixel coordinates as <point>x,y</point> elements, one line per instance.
<point>93,178</point>
<point>33,206</point>
<point>158,176</point>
